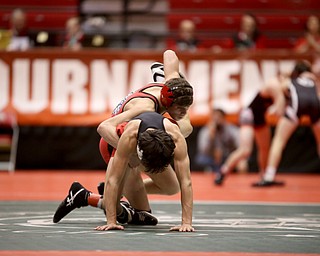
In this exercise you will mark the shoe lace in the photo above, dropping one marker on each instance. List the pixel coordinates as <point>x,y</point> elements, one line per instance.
<point>70,199</point>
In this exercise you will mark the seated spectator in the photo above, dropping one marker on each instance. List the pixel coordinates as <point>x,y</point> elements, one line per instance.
<point>20,39</point>
<point>311,39</point>
<point>74,34</point>
<point>186,40</point>
<point>248,36</point>
<point>216,141</point>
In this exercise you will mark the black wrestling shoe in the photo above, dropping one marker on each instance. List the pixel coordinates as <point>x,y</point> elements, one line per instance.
<point>143,218</point>
<point>100,188</point>
<point>219,178</point>
<point>136,217</point>
<point>77,197</point>
<point>127,212</point>
<point>265,183</point>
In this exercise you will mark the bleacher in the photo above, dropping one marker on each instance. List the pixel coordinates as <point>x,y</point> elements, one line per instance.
<point>153,23</point>
<point>244,5</point>
<point>282,22</point>
<point>127,23</point>
<point>49,15</point>
<point>123,23</point>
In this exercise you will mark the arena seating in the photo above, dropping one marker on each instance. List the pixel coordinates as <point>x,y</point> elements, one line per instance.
<point>230,22</point>
<point>49,15</point>
<point>244,6</point>
<point>41,20</point>
<point>32,4</point>
<point>282,22</point>
<point>130,23</point>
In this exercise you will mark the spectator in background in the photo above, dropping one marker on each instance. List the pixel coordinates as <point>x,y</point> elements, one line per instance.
<point>248,36</point>
<point>187,40</point>
<point>20,39</point>
<point>74,34</point>
<point>311,39</point>
<point>216,141</point>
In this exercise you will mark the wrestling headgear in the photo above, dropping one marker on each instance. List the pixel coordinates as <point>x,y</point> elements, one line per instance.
<point>176,91</point>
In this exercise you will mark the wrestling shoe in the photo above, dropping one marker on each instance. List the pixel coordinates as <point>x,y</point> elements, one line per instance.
<point>143,218</point>
<point>135,217</point>
<point>157,72</point>
<point>100,188</point>
<point>77,197</point>
<point>219,178</point>
<point>265,183</point>
<point>127,212</point>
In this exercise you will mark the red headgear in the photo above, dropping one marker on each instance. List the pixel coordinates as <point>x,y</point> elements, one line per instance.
<point>166,96</point>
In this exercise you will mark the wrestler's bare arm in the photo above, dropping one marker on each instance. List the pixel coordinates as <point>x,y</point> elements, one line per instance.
<point>171,65</point>
<point>107,129</point>
<point>182,169</point>
<point>115,176</point>
<point>185,125</point>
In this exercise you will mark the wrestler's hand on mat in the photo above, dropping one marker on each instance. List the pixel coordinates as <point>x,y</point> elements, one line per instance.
<point>183,228</point>
<point>109,227</point>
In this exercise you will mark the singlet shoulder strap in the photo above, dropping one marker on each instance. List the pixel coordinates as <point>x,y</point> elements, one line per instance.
<point>143,94</point>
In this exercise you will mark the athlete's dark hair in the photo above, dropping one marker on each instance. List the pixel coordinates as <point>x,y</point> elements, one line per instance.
<point>256,32</point>
<point>300,67</point>
<point>182,91</point>
<point>157,147</point>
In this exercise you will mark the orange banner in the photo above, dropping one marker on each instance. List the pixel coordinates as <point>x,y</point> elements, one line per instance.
<point>57,87</point>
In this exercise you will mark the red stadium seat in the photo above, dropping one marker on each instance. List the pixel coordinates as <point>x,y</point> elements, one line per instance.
<point>44,15</point>
<point>41,20</point>
<point>4,19</point>
<point>38,3</point>
<point>49,21</point>
<point>205,42</point>
<point>206,21</point>
<point>231,22</point>
<point>284,22</point>
<point>283,28</point>
<point>281,43</point>
<point>240,5</point>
